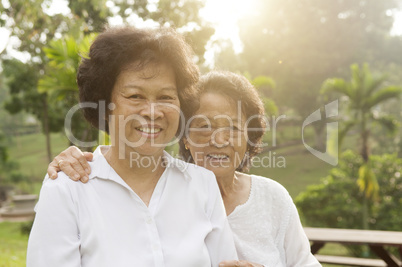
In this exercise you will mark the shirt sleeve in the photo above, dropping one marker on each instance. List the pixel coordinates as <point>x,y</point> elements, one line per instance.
<point>54,238</point>
<point>219,241</point>
<point>297,245</point>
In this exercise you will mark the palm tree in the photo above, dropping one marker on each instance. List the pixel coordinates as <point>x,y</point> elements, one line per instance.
<point>59,81</point>
<point>364,93</point>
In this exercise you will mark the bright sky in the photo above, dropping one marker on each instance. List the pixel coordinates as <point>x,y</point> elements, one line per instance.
<point>224,14</point>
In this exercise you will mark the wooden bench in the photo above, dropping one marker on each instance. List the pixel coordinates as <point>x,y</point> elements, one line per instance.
<point>375,240</point>
<point>350,261</point>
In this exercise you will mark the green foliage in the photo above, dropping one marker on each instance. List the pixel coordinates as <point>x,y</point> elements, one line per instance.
<point>265,85</point>
<point>59,81</point>
<point>61,71</point>
<point>367,182</point>
<point>22,79</point>
<point>337,201</point>
<point>364,92</point>
<point>9,169</point>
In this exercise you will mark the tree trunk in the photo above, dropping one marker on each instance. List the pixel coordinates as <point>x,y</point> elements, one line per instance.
<point>320,135</point>
<point>364,134</point>
<point>46,129</point>
<point>365,252</point>
<point>365,149</point>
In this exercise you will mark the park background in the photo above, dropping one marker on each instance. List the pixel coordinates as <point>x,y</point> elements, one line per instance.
<point>300,55</point>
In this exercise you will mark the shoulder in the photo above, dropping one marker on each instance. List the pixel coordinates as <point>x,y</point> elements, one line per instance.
<point>271,195</point>
<point>57,193</point>
<point>62,180</point>
<point>62,185</point>
<point>269,186</point>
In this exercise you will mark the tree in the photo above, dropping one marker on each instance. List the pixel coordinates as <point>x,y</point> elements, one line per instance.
<point>28,21</point>
<point>337,201</point>
<point>265,85</point>
<point>182,15</point>
<point>22,79</point>
<point>364,92</point>
<point>59,81</point>
<point>301,43</point>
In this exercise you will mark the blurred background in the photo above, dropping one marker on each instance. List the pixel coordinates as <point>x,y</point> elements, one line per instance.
<point>299,54</point>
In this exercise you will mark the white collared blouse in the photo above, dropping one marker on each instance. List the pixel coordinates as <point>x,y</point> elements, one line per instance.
<point>105,223</point>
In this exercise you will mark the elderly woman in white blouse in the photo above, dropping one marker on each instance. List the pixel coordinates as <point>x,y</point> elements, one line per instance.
<point>163,213</point>
<point>223,135</point>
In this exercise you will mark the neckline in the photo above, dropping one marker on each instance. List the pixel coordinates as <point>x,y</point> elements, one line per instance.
<point>251,194</point>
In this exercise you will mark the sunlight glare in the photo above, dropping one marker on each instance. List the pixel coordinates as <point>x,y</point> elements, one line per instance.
<point>225,15</point>
<point>56,7</point>
<point>397,27</point>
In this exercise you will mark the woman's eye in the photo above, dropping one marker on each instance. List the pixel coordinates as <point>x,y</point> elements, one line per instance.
<point>136,97</point>
<point>166,97</point>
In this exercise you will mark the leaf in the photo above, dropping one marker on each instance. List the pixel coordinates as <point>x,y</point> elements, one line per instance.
<point>389,122</point>
<point>367,182</point>
<point>346,126</point>
<point>263,81</point>
<point>336,85</point>
<point>382,95</point>
<point>270,106</point>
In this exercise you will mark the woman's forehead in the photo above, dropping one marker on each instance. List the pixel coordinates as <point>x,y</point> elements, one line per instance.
<point>219,107</point>
<point>216,119</point>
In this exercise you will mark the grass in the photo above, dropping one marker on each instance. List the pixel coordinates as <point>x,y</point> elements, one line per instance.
<point>12,245</point>
<point>301,168</point>
<point>30,152</point>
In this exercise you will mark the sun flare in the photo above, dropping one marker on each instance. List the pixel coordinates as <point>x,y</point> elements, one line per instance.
<point>225,15</point>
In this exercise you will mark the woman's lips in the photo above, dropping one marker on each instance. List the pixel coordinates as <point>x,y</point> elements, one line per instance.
<point>217,157</point>
<point>149,131</point>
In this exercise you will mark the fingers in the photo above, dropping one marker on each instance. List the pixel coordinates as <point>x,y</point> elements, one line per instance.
<point>238,263</point>
<point>232,263</point>
<point>53,168</point>
<point>79,164</point>
<point>73,162</point>
<point>88,156</point>
<point>68,169</point>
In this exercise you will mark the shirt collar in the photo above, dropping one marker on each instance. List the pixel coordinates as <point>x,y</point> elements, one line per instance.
<point>101,168</point>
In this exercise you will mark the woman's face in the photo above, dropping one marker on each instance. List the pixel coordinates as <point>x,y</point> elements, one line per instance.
<point>146,109</point>
<point>217,137</point>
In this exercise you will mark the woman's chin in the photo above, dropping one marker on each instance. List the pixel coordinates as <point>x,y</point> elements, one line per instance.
<point>220,169</point>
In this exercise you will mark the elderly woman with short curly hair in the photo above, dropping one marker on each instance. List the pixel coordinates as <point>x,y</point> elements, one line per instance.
<point>140,207</point>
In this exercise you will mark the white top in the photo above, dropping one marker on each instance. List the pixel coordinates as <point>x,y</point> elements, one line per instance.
<point>267,229</point>
<point>104,223</point>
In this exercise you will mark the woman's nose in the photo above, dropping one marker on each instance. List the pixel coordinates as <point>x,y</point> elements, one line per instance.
<point>220,138</point>
<point>151,110</point>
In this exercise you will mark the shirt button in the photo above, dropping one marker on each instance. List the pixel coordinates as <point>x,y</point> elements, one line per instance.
<point>155,247</point>
<point>149,220</point>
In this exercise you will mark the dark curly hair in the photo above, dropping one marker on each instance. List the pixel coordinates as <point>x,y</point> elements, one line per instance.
<point>118,47</point>
<point>238,88</point>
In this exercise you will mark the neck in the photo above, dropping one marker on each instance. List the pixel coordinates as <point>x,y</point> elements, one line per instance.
<point>235,190</point>
<point>130,162</point>
<point>141,173</point>
<point>227,184</point>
